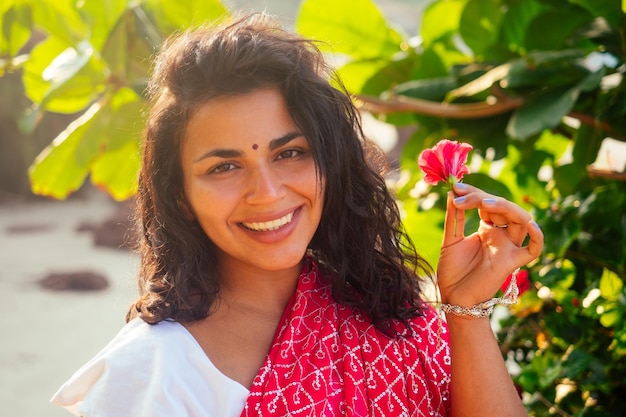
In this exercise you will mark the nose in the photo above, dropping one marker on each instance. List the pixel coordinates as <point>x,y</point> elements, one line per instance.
<point>265,186</point>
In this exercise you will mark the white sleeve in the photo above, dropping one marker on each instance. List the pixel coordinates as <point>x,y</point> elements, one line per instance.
<point>151,371</point>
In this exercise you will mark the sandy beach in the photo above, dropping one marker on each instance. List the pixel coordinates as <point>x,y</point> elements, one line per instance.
<point>46,334</point>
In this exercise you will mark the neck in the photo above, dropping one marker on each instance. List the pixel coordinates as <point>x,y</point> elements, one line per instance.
<point>263,293</point>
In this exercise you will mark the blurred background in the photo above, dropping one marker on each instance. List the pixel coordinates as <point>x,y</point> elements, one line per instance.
<point>66,275</point>
<point>535,86</point>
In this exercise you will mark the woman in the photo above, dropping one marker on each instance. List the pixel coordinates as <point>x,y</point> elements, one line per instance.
<point>275,276</point>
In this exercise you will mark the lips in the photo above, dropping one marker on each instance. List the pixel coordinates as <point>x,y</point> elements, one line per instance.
<point>269,225</point>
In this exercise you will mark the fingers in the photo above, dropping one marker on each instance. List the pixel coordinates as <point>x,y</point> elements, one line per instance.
<point>535,244</point>
<point>526,254</point>
<point>502,216</point>
<point>494,211</point>
<point>454,222</point>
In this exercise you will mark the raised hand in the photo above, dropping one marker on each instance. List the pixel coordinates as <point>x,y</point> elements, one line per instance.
<point>472,268</point>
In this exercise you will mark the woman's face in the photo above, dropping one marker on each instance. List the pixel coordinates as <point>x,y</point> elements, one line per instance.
<point>250,181</point>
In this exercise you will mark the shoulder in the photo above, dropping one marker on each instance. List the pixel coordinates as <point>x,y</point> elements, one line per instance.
<point>146,370</point>
<point>123,365</point>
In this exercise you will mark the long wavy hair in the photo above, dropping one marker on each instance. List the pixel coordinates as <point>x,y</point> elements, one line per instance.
<point>360,244</point>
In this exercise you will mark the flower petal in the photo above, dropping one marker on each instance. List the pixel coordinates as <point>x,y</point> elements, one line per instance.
<point>444,160</point>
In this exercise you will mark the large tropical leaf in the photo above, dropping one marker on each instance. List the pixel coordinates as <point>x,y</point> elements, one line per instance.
<point>61,168</point>
<point>480,25</point>
<point>441,18</point>
<point>115,170</point>
<point>16,27</point>
<point>171,16</point>
<point>355,28</point>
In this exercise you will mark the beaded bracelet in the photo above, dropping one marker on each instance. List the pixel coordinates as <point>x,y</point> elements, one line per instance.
<point>484,309</point>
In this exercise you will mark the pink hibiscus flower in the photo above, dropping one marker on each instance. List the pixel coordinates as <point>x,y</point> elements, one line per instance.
<point>446,161</point>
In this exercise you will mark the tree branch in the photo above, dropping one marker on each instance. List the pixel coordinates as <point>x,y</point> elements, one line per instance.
<point>604,173</point>
<point>398,104</point>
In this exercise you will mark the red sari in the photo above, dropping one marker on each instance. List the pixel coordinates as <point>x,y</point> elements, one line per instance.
<point>329,360</point>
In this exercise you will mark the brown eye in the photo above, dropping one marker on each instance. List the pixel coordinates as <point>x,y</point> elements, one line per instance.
<point>222,168</point>
<point>290,154</point>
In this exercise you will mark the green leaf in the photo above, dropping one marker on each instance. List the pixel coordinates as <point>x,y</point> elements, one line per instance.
<point>520,72</point>
<point>480,24</point>
<point>551,29</point>
<point>356,28</point>
<point>61,19</point>
<point>425,227</point>
<point>61,168</point>
<point>102,17</point>
<point>448,54</point>
<point>587,142</point>
<point>172,16</point>
<point>544,112</point>
<point>441,18</point>
<point>63,79</point>
<point>576,363</point>
<point>611,317</point>
<point>434,89</point>
<point>396,70</point>
<point>356,74</point>
<point>116,169</point>
<point>488,184</point>
<point>567,178</point>
<point>553,143</point>
<point>549,369</point>
<point>561,276</point>
<point>609,10</point>
<point>611,285</point>
<point>515,23</point>
<point>16,28</point>
<point>76,78</point>
<point>435,60</point>
<point>40,58</point>
<point>127,52</point>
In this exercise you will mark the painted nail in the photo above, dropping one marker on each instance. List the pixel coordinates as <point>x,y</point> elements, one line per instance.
<point>460,186</point>
<point>459,200</point>
<point>490,201</point>
<point>535,225</point>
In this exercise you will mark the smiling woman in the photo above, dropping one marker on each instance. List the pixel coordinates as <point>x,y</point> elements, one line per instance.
<point>261,208</point>
<point>275,277</point>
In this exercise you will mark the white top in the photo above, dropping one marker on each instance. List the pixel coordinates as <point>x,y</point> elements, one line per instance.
<point>151,370</point>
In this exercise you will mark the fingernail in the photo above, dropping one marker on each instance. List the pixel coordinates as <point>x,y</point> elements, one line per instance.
<point>460,186</point>
<point>535,225</point>
<point>459,200</point>
<point>489,201</point>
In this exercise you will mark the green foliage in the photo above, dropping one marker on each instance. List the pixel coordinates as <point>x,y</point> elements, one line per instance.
<point>93,61</point>
<point>533,85</point>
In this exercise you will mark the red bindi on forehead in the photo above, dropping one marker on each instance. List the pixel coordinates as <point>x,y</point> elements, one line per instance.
<point>255,146</point>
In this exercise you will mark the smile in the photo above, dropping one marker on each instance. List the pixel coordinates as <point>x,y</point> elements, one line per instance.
<point>271,225</point>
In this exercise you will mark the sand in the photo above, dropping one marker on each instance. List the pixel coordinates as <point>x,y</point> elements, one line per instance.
<point>46,335</point>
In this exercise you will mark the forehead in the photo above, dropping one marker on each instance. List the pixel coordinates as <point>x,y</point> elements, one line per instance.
<point>257,115</point>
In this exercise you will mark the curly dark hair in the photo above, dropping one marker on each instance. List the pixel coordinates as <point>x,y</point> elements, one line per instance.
<point>359,243</point>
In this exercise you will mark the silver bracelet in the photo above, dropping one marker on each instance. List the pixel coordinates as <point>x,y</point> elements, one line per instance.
<point>484,309</point>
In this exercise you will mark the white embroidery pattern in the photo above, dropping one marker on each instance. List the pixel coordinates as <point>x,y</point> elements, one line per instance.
<point>328,360</point>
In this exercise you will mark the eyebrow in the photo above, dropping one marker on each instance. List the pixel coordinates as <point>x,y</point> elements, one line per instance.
<point>234,153</point>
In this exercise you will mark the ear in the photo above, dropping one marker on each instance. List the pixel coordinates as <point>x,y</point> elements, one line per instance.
<point>184,207</point>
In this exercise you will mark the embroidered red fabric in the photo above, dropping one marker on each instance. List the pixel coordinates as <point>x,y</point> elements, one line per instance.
<point>328,360</point>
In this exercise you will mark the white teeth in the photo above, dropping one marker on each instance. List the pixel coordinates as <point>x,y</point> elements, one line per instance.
<point>271,225</point>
